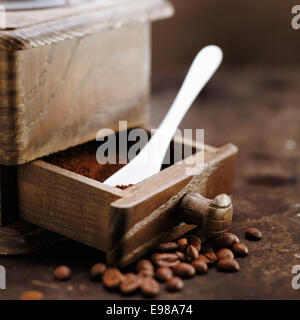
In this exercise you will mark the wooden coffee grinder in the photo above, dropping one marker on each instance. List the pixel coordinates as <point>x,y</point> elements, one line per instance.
<point>67,70</point>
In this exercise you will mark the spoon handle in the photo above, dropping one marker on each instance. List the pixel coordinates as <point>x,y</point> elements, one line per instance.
<point>203,67</point>
<point>150,159</point>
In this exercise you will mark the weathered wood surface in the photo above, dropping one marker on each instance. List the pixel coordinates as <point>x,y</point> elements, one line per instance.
<point>34,28</point>
<point>67,203</point>
<point>66,73</point>
<point>58,96</point>
<point>258,110</point>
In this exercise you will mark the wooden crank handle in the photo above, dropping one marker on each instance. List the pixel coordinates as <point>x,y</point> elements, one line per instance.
<point>213,216</point>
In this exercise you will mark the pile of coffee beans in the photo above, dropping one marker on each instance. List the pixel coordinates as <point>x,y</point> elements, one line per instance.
<point>170,264</point>
<point>175,261</point>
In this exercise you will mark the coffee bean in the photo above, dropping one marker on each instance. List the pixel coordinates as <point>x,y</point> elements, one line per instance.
<point>182,244</point>
<point>32,295</point>
<point>225,241</point>
<point>163,274</point>
<point>203,258</point>
<point>253,234</point>
<point>228,265</point>
<point>191,253</point>
<point>240,249</point>
<point>150,287</point>
<point>168,247</point>
<point>184,270</point>
<point>62,273</point>
<point>200,266</point>
<point>211,258</point>
<point>145,268</point>
<point>175,284</point>
<point>180,255</point>
<point>224,253</point>
<point>130,283</point>
<point>112,278</point>
<point>195,241</point>
<point>207,247</point>
<point>236,238</point>
<point>165,259</point>
<point>97,271</point>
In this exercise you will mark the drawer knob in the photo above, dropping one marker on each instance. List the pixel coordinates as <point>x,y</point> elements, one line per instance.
<point>213,216</point>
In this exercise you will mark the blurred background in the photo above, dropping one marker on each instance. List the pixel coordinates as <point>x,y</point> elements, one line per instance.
<point>258,81</point>
<point>253,99</point>
<point>249,31</point>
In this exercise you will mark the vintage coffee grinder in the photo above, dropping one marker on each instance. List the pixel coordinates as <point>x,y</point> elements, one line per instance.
<point>68,69</point>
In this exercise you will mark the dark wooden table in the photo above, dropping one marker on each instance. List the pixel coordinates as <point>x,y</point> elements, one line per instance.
<point>256,108</point>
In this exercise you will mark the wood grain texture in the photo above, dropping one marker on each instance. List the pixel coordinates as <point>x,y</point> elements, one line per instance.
<point>66,73</point>
<point>11,105</point>
<point>35,28</point>
<point>61,95</point>
<point>65,202</point>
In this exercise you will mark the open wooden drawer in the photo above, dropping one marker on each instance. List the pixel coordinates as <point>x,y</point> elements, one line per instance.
<point>123,223</point>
